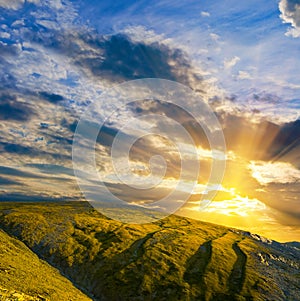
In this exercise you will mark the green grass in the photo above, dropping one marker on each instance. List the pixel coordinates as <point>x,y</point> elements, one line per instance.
<point>22,272</point>
<point>173,259</point>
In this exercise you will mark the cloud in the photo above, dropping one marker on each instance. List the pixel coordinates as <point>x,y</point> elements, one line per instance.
<point>277,172</point>
<point>124,59</point>
<point>38,197</point>
<point>210,154</point>
<point>52,169</point>
<point>205,14</point>
<point>17,4</point>
<point>36,2</point>
<point>244,75</point>
<point>11,4</point>
<point>56,4</point>
<point>17,172</point>
<point>290,13</point>
<point>228,64</point>
<point>31,151</point>
<point>142,34</point>
<point>5,181</point>
<point>242,206</point>
<point>54,53</point>
<point>9,49</point>
<point>114,58</point>
<point>12,109</point>
<point>214,37</point>
<point>286,144</point>
<point>47,56</point>
<point>51,97</point>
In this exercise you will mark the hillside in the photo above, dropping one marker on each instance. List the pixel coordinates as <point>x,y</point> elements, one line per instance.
<point>23,276</point>
<point>173,259</point>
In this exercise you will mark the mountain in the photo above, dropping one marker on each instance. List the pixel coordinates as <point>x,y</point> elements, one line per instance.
<point>294,244</point>
<point>23,276</point>
<point>173,259</point>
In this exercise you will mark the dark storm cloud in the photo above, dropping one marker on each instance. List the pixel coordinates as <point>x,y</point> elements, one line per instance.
<point>66,141</point>
<point>51,97</point>
<point>129,194</point>
<point>9,49</point>
<point>118,58</point>
<point>106,135</point>
<point>290,13</point>
<point>5,181</point>
<point>70,126</point>
<point>52,169</point>
<point>24,177</point>
<point>175,113</point>
<point>287,201</point>
<point>12,109</point>
<point>143,149</point>
<point>19,197</point>
<point>247,138</point>
<point>89,130</point>
<point>19,173</point>
<point>146,147</point>
<point>18,149</point>
<point>7,81</point>
<point>287,142</point>
<point>14,148</point>
<point>121,58</point>
<point>14,172</point>
<point>262,140</point>
<point>267,98</point>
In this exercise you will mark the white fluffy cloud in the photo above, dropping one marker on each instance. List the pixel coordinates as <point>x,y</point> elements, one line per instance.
<point>205,14</point>
<point>11,4</point>
<point>237,206</point>
<point>56,4</point>
<point>290,13</point>
<point>17,4</point>
<point>277,172</point>
<point>228,64</point>
<point>244,75</point>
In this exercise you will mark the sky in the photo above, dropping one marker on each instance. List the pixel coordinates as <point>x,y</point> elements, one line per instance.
<point>61,59</point>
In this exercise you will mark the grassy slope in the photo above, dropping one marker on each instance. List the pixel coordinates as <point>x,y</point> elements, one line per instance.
<point>174,259</point>
<point>23,276</point>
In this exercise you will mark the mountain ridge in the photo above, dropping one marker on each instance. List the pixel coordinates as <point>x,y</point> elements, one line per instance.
<point>173,259</point>
<point>24,276</point>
